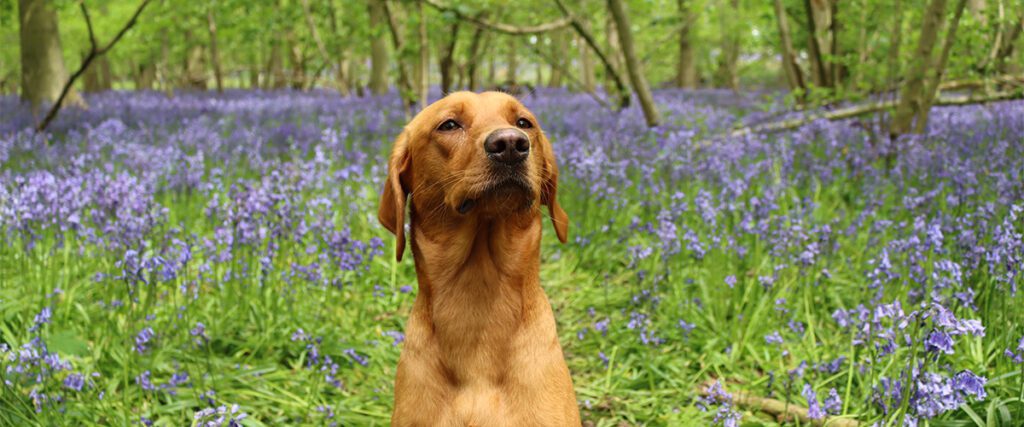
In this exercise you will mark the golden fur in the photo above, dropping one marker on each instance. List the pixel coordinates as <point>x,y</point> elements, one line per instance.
<point>480,345</point>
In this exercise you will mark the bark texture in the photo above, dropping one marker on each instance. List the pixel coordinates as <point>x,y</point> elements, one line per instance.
<point>633,66</point>
<point>42,58</point>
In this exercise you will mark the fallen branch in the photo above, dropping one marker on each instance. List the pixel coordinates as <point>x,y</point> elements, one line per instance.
<point>94,52</point>
<point>1005,79</point>
<point>782,411</point>
<point>499,27</point>
<point>858,110</point>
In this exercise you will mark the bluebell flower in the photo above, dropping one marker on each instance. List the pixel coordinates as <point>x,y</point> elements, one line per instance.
<point>730,281</point>
<point>41,319</point>
<point>939,342</point>
<point>968,383</point>
<point>144,382</point>
<point>74,381</point>
<point>397,337</point>
<point>814,410</point>
<point>143,338</point>
<point>833,404</point>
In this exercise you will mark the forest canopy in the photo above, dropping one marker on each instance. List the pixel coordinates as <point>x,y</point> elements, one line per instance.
<point>840,49</point>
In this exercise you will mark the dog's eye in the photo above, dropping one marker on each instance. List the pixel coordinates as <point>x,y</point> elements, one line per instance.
<point>449,125</point>
<point>524,124</point>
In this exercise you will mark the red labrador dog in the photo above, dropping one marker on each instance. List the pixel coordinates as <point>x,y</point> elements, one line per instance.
<point>480,346</point>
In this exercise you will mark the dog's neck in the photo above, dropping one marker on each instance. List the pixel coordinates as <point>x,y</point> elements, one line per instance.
<point>477,256</point>
<point>478,283</point>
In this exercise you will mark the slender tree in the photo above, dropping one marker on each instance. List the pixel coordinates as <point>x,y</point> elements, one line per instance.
<point>727,74</point>
<point>512,62</point>
<point>344,70</point>
<point>218,73</point>
<point>406,88</point>
<point>559,46</point>
<point>686,66</point>
<point>446,63</point>
<point>794,76</point>
<point>633,66</point>
<point>937,70</point>
<point>423,71</point>
<point>588,78</point>
<point>378,48</point>
<point>475,52</point>
<point>912,92</point>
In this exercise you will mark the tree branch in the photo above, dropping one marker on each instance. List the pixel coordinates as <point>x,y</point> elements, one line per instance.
<point>406,91</point>
<point>858,110</point>
<point>782,411</point>
<point>93,53</point>
<point>620,87</point>
<point>499,27</point>
<point>88,25</point>
<point>572,78</point>
<point>314,33</point>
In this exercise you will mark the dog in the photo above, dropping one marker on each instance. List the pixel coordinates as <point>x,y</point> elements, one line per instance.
<point>480,345</point>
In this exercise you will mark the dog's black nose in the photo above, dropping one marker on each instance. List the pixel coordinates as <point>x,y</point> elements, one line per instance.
<point>508,146</point>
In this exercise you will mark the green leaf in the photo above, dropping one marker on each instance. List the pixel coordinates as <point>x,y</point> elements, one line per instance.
<point>974,415</point>
<point>68,343</point>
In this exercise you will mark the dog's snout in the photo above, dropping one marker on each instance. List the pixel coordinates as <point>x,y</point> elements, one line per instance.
<point>508,146</point>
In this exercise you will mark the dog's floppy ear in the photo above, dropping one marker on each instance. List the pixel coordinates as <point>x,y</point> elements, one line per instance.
<point>391,213</point>
<point>549,193</point>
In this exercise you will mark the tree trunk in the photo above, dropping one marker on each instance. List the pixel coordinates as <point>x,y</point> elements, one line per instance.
<point>254,73</point>
<point>423,73</point>
<point>614,50</point>
<point>42,59</point>
<point>145,76</point>
<point>835,66</point>
<point>794,76</point>
<point>817,20</point>
<point>474,57</point>
<point>932,87</point>
<point>540,74</point>
<point>686,67</point>
<point>633,66</point>
<point>894,49</point>
<point>1007,43</point>
<point>405,84</point>
<point>163,73</point>
<point>378,49</point>
<point>588,79</point>
<point>492,70</point>
<point>355,77</point>
<point>106,73</point>
<point>863,51</point>
<point>342,74</point>
<point>912,93</point>
<point>510,72</point>
<point>218,75</point>
<point>297,61</point>
<point>447,62</point>
<point>276,78</point>
<point>727,74</point>
<point>97,77</point>
<point>194,66</point>
<point>559,47</point>
<point>91,77</point>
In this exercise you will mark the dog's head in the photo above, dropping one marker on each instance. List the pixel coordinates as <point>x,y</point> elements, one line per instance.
<point>471,154</point>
